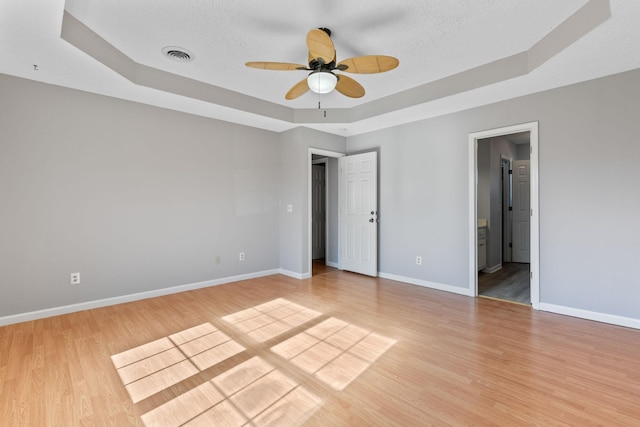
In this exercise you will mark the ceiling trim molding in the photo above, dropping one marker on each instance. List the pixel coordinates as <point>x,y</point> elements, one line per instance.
<point>584,20</point>
<point>85,39</point>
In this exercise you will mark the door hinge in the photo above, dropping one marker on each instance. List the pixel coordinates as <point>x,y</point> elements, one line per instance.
<point>510,171</point>
<point>531,275</point>
<point>510,245</point>
<point>531,212</point>
<point>510,208</point>
<point>531,149</point>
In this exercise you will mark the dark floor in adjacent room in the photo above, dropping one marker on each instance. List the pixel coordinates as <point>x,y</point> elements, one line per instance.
<point>510,283</point>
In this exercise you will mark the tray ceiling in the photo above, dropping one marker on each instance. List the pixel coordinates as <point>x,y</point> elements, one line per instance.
<point>453,54</point>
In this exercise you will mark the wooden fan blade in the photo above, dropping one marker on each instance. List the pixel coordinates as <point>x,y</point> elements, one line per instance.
<point>368,64</point>
<point>349,87</point>
<point>280,66</point>
<point>298,89</point>
<point>320,46</point>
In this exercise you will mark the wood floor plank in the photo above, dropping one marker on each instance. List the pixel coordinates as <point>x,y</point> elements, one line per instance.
<point>382,353</point>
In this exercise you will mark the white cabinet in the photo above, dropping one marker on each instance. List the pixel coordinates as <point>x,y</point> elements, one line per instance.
<point>482,248</point>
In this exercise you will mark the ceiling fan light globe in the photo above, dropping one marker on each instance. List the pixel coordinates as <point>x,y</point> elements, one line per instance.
<point>322,81</point>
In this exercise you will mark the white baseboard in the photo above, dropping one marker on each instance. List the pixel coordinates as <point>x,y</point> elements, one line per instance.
<point>628,322</point>
<point>613,319</point>
<point>299,276</point>
<point>332,264</point>
<point>492,269</point>
<point>427,284</point>
<point>66,309</point>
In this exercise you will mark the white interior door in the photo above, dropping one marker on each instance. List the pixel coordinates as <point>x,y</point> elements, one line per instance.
<point>358,215</point>
<point>521,212</point>
<point>318,212</point>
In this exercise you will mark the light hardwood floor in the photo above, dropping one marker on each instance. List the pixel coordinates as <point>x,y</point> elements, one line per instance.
<point>339,349</point>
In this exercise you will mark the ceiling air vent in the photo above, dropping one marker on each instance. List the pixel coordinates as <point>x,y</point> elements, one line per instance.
<point>178,54</point>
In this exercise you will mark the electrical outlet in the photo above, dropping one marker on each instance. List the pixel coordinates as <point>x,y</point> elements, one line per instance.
<point>74,278</point>
<point>218,259</point>
<point>419,260</point>
<point>241,257</point>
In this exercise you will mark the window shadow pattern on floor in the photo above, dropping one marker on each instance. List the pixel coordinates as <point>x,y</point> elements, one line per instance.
<point>253,392</point>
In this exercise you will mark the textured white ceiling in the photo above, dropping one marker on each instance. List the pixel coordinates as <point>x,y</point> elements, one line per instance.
<point>432,39</point>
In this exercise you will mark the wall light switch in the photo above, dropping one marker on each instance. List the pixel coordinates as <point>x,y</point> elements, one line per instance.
<point>289,208</point>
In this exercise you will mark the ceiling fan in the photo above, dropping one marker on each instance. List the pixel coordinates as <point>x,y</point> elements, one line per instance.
<point>322,64</point>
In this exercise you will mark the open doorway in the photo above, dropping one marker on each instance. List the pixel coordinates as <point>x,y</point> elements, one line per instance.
<point>504,238</point>
<point>323,211</point>
<point>504,217</point>
<point>351,210</point>
<point>319,224</point>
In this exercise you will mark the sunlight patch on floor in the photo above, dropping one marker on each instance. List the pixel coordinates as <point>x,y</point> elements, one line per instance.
<point>266,321</point>
<point>334,351</point>
<point>153,367</point>
<point>253,392</point>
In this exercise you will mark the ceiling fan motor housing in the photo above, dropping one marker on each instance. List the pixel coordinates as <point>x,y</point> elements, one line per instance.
<point>318,64</point>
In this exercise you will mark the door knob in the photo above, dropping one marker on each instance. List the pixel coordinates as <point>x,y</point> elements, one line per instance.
<point>371,220</point>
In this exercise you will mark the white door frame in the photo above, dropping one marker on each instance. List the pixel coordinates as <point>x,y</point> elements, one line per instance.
<point>531,127</point>
<point>324,153</point>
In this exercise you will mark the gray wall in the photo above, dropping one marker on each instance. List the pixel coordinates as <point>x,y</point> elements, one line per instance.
<point>133,197</point>
<point>422,208</point>
<point>589,197</point>
<point>523,152</point>
<point>138,198</point>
